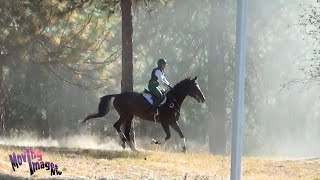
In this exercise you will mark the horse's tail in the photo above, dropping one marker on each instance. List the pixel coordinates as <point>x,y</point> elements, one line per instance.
<point>104,107</point>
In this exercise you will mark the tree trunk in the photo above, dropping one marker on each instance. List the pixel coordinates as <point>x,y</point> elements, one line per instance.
<point>217,79</point>
<point>2,103</point>
<point>127,54</point>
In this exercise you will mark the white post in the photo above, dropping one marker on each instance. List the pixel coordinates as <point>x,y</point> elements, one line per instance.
<point>238,109</point>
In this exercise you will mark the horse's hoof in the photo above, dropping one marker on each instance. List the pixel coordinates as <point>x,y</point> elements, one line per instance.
<point>123,145</point>
<point>153,141</point>
<point>184,150</point>
<point>132,146</point>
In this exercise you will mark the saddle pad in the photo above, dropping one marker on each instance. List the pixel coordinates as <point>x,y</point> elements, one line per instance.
<point>149,98</point>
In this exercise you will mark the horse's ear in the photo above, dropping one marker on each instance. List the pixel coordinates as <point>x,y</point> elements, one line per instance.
<point>195,78</point>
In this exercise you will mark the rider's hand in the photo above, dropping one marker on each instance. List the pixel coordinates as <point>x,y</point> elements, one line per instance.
<point>170,86</point>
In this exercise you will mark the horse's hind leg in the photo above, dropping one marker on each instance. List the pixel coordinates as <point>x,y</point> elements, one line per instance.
<point>129,133</point>
<point>128,130</point>
<point>117,126</point>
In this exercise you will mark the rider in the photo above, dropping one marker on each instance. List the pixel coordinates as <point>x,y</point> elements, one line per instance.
<point>157,75</point>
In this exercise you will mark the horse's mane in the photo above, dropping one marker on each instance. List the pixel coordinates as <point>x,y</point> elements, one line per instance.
<point>183,82</point>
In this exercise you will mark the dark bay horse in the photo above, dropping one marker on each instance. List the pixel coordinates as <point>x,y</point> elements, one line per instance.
<point>130,104</point>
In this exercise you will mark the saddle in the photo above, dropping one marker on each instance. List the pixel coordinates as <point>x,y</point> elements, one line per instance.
<point>165,100</point>
<point>148,95</point>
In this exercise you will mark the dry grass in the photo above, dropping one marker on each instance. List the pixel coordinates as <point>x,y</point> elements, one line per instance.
<point>98,164</point>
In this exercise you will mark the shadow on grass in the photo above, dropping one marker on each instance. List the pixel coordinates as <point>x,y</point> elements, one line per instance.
<point>94,153</point>
<point>8,177</point>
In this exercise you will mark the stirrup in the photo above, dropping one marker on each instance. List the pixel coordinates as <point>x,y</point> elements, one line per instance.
<point>171,105</point>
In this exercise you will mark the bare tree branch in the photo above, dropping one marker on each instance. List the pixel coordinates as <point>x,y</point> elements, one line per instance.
<point>80,31</point>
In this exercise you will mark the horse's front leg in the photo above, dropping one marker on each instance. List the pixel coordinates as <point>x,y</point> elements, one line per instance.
<point>176,127</point>
<point>166,129</point>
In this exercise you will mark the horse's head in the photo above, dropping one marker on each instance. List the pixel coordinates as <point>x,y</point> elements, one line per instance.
<point>192,88</point>
<point>195,91</point>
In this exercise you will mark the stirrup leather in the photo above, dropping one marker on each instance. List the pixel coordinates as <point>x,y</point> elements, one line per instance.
<point>156,116</point>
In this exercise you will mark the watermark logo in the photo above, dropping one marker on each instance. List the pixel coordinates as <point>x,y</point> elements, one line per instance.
<point>34,159</point>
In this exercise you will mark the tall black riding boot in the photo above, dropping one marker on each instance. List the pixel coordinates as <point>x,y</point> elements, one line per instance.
<point>155,105</point>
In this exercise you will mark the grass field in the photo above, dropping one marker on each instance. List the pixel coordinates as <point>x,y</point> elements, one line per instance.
<point>78,163</point>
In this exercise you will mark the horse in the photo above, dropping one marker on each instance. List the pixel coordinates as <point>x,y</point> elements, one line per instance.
<point>130,104</point>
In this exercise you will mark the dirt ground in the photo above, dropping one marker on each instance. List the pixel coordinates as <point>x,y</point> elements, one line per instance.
<point>114,164</point>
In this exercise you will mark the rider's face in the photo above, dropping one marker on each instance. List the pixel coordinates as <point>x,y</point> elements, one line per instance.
<point>163,66</point>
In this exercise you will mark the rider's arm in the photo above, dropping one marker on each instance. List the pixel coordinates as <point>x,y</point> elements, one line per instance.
<point>162,77</point>
<point>166,81</point>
